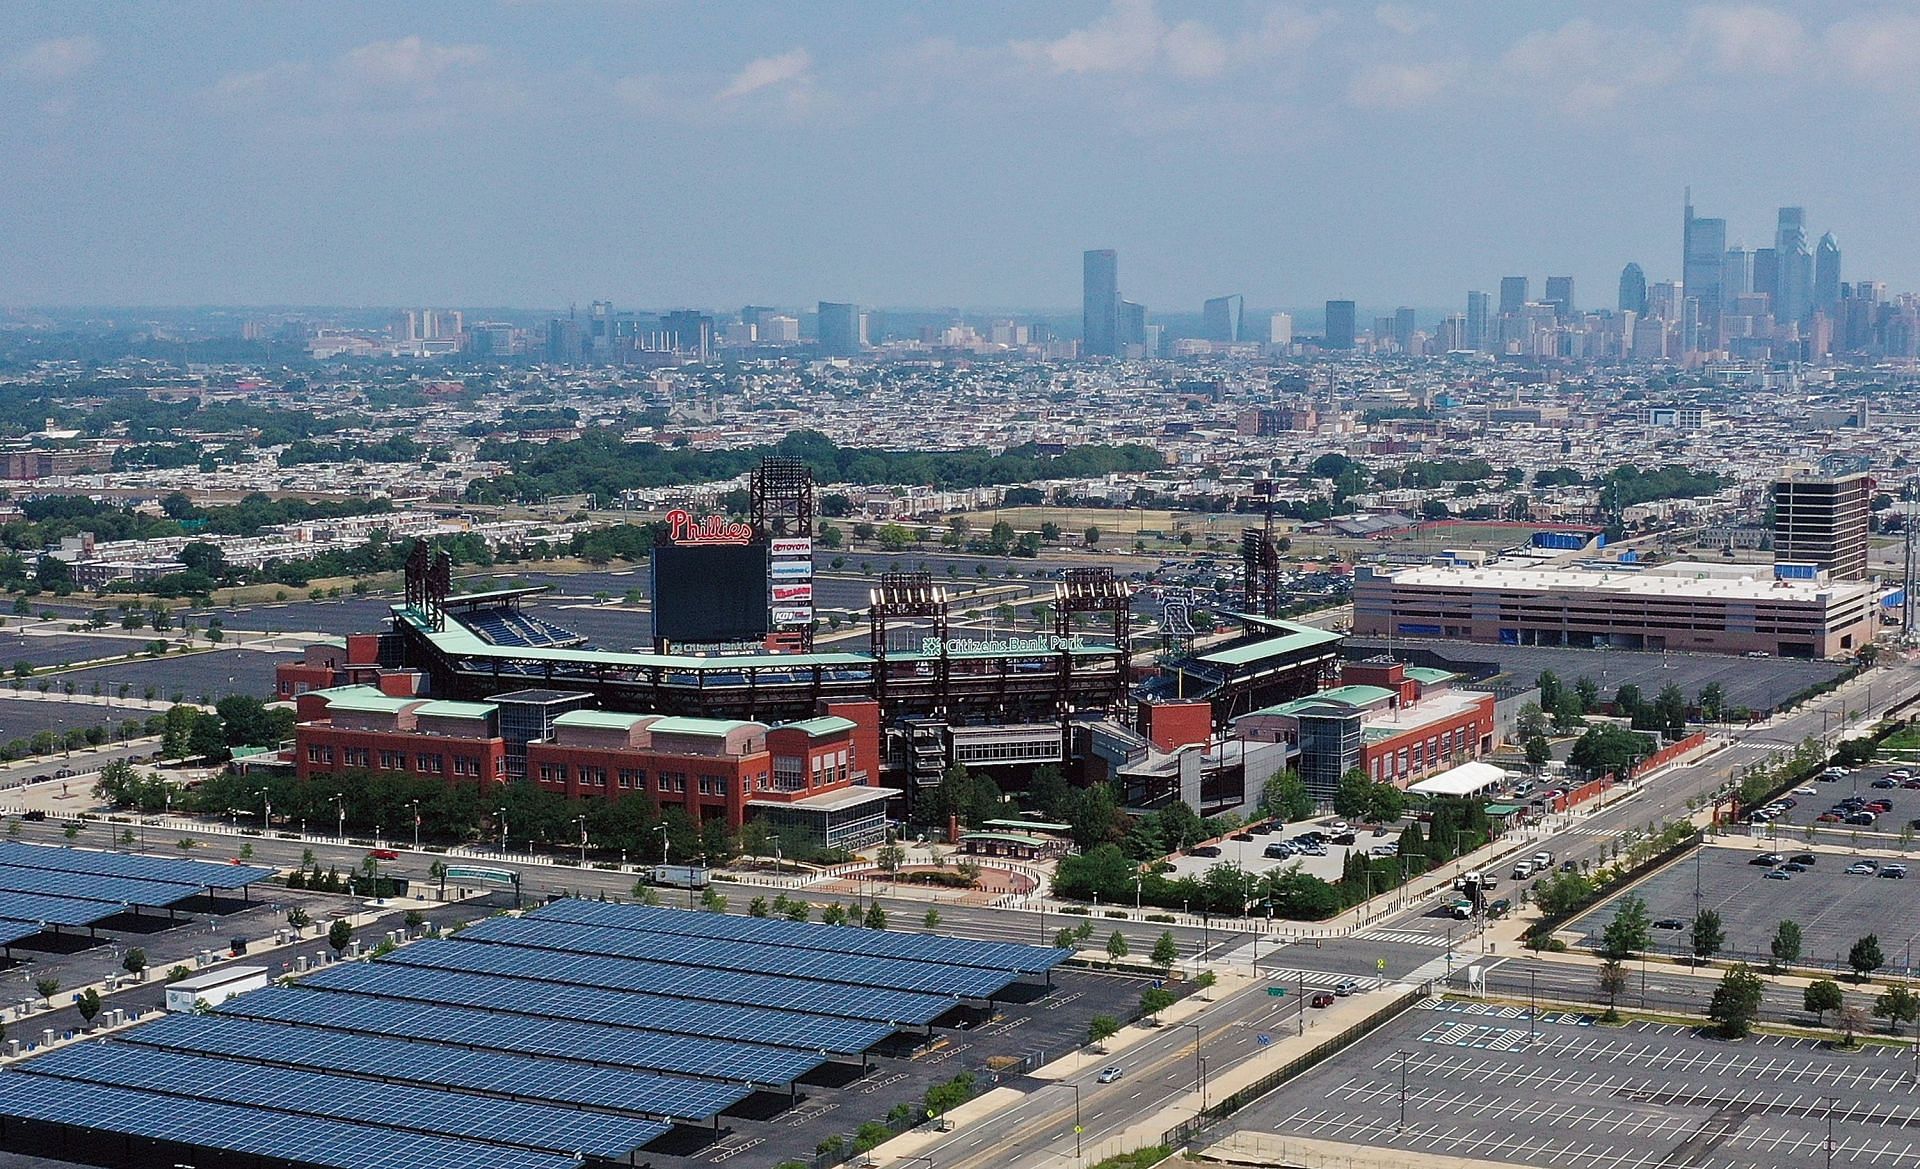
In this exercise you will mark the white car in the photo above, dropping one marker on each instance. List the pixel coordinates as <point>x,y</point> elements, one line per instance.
<point>1806,790</point>
<point>1109,1075</point>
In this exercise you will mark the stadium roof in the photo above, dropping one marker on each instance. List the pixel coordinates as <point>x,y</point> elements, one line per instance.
<point>366,700</point>
<point>1298,638</point>
<point>825,725</point>
<point>444,708</point>
<point>606,720</point>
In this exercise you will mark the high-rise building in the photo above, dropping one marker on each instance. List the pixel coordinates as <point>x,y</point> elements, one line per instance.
<point>1453,333</point>
<point>1222,317</point>
<point>1736,275</point>
<point>1478,339</point>
<point>1560,295</point>
<point>1826,274</point>
<point>1100,303</point>
<point>688,331</point>
<point>563,341</point>
<point>1404,329</point>
<point>839,329</point>
<point>1280,329</point>
<point>1633,290</point>
<point>1339,327</point>
<point>1703,246</point>
<point>1132,326</point>
<point>1794,299</point>
<point>1513,294</point>
<point>1766,272</point>
<point>1823,521</point>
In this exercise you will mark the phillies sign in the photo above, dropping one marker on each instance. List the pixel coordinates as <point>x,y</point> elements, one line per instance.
<point>682,528</point>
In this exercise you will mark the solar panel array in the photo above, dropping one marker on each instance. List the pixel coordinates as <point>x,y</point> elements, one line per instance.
<point>496,1121</point>
<point>1010,956</point>
<point>688,1055</point>
<point>594,1005</point>
<point>199,874</point>
<point>38,907</point>
<point>530,1077</point>
<point>253,1131</point>
<point>14,931</point>
<point>91,887</point>
<point>761,990</point>
<point>754,957</point>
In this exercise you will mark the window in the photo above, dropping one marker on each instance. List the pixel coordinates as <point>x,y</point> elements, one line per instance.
<point>318,754</point>
<point>593,776</point>
<point>464,765</point>
<point>789,773</point>
<point>392,761</point>
<point>553,773</point>
<point>713,785</point>
<point>357,756</point>
<point>673,781</point>
<point>633,778</point>
<point>431,763</point>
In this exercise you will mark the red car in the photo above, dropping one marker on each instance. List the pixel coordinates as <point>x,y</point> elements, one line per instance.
<point>1828,818</point>
<point>384,854</point>
<point>1323,999</point>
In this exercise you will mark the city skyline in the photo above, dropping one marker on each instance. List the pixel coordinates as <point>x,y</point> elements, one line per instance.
<point>495,155</point>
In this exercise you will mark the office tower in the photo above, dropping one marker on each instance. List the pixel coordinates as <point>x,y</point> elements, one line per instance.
<point>1794,299</point>
<point>1453,333</point>
<point>1824,521</point>
<point>1222,317</point>
<point>839,329</point>
<point>1703,246</point>
<point>1382,333</point>
<point>1633,290</point>
<point>1513,294</point>
<point>1477,338</point>
<point>779,329</point>
<point>1132,324</point>
<point>1663,300</point>
<point>688,331</point>
<point>1280,329</point>
<point>1100,303</point>
<point>1403,329</point>
<point>1339,327</point>
<point>563,341</point>
<point>1766,272</point>
<point>1826,274</point>
<point>1736,275</point>
<point>492,339</point>
<point>1560,295</point>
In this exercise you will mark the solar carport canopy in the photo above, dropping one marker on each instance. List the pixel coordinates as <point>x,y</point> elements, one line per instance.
<point>1014,957</point>
<point>199,874</point>
<point>503,955</point>
<point>442,1065</point>
<point>720,955</point>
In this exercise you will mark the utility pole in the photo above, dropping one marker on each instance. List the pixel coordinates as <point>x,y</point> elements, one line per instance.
<point>1403,1091</point>
<point>1533,1010</point>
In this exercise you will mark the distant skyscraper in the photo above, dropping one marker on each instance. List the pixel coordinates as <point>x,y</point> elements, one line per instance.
<point>1703,245</point>
<point>1560,295</point>
<point>1736,275</point>
<point>1633,290</point>
<point>1100,303</point>
<point>1826,274</point>
<point>1339,330</point>
<point>839,329</point>
<point>1222,315</point>
<point>1795,297</point>
<point>1477,338</point>
<point>1403,329</point>
<point>1280,329</point>
<point>1132,319</point>
<point>1766,272</point>
<point>1513,294</point>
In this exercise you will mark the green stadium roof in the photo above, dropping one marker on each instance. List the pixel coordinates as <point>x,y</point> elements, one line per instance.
<point>445,709</point>
<point>1428,676</point>
<point>606,720</point>
<point>830,724</point>
<point>1302,637</point>
<point>366,700</point>
<point>709,727</point>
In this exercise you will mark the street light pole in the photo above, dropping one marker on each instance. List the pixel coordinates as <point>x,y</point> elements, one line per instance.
<point>340,806</point>
<point>1197,1069</point>
<point>1076,1120</point>
<point>502,813</point>
<point>583,840</point>
<point>1831,1101</point>
<point>416,825</point>
<point>1403,1091</point>
<point>1532,1009</point>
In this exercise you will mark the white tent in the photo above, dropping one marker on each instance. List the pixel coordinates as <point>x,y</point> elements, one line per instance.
<point>1468,779</point>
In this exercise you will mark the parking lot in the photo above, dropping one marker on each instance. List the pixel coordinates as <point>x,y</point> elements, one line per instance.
<point>212,675</point>
<point>1251,856</point>
<point>1833,908</point>
<point>1472,1083</point>
<point>1893,828</point>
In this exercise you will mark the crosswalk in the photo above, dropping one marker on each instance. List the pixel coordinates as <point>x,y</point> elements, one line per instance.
<point>1405,937</point>
<point>1318,979</point>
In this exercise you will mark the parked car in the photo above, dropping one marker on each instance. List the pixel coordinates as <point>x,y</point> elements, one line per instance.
<point>1499,907</point>
<point>1767,858</point>
<point>1896,871</point>
<point>1885,781</point>
<point>1794,867</point>
<point>1863,868</point>
<point>383,854</point>
<point>1777,875</point>
<point>1206,850</point>
<point>1804,858</point>
<point>1345,987</point>
<point>1322,999</point>
<point>1669,923</point>
<point>1110,1074</point>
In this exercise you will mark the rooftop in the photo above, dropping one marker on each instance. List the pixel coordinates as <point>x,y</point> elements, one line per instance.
<point>829,724</point>
<point>608,720</point>
<point>708,727</point>
<point>366,700</point>
<point>446,709</point>
<point>1635,584</point>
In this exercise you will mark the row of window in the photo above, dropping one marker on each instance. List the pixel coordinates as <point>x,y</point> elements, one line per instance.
<point>422,763</point>
<point>1429,752</point>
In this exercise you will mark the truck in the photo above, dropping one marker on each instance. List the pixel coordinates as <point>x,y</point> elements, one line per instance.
<point>679,876</point>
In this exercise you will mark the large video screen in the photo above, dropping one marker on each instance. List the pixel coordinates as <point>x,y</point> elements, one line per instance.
<point>710,593</point>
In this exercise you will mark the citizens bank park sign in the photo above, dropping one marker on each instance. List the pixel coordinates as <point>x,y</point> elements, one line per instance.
<point>682,528</point>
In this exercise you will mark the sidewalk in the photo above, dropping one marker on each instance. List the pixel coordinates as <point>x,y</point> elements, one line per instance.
<point>1269,1149</point>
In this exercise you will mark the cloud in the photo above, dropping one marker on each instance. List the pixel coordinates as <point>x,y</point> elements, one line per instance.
<point>406,65</point>
<point>1404,18</point>
<point>385,87</point>
<point>1398,87</point>
<point>791,67</point>
<point>1882,52</point>
<point>54,60</point>
<point>1131,38</point>
<point>1583,67</point>
<point>1748,39</point>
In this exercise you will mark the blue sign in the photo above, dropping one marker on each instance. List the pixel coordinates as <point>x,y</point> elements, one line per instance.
<point>1263,1039</point>
<point>1157,984</point>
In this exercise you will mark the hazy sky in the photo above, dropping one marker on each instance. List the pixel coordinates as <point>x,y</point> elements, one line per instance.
<point>662,153</point>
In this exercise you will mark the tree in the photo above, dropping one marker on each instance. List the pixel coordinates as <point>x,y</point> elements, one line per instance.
<point>1101,1028</point>
<point>1530,723</point>
<point>757,907</point>
<point>876,918</point>
<point>1613,983</point>
<point>134,961</point>
<point>339,934</point>
<point>1820,996</point>
<point>1117,946</point>
<point>1154,1000</point>
<point>1588,692</point>
<point>46,986</point>
<point>88,1004</point>
<point>1736,1001</point>
<point>1608,748</point>
<point>1284,797</point>
<point>1093,536</point>
<point>1897,1005</point>
<point>1786,944</point>
<point>1708,937</point>
<point>1354,796</point>
<point>931,921</point>
<point>1865,957</point>
<point>298,919</point>
<point>1539,752</point>
<point>1712,701</point>
<point>1165,951</point>
<point>1630,932</point>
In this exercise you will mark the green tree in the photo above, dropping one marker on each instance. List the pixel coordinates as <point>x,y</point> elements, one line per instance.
<point>1101,1028</point>
<point>298,919</point>
<point>1630,932</point>
<point>1897,1005</point>
<point>931,921</point>
<point>1820,996</point>
<point>87,1002</point>
<point>339,934</point>
<point>1539,752</point>
<point>1154,1000</point>
<point>757,907</point>
<point>1786,944</point>
<point>1708,937</point>
<point>134,961</point>
<point>1736,1001</point>
<point>1165,951</point>
<point>46,986</point>
<point>1117,946</point>
<point>1284,797</point>
<point>1865,957</point>
<point>1530,723</point>
<point>876,918</point>
<point>1613,983</point>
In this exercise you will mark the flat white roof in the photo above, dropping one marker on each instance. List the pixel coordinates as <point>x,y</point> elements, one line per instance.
<point>1464,780</point>
<point>1638,584</point>
<point>220,976</point>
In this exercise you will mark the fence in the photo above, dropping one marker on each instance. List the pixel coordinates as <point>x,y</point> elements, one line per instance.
<point>1190,1132</point>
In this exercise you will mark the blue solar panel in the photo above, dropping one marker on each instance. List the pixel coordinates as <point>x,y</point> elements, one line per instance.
<point>754,957</point>
<point>531,1077</point>
<point>591,1004</point>
<point>1011,956</point>
<point>14,931</point>
<point>92,887</point>
<point>200,874</point>
<point>563,1039</point>
<point>498,956</point>
<point>56,910</point>
<point>253,1131</point>
<point>457,1114</point>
